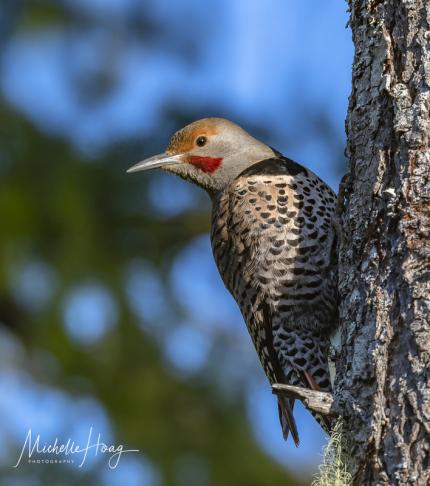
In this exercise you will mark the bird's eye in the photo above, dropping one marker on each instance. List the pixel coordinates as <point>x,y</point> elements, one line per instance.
<point>201,141</point>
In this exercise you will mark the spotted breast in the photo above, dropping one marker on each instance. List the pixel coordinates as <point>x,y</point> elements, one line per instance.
<point>273,238</point>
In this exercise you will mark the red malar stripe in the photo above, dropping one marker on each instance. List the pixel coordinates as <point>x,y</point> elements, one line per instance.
<point>206,164</point>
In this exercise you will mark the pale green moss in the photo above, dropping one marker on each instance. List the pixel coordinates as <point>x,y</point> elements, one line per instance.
<point>333,470</point>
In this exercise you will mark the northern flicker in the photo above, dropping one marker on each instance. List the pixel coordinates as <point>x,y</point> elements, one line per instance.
<point>273,239</point>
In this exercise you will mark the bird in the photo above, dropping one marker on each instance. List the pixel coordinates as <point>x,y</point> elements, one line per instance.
<point>273,237</point>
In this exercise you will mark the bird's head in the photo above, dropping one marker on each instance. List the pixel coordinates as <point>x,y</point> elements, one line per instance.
<point>209,152</point>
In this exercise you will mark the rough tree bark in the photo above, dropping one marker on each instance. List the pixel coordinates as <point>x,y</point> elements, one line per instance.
<point>383,385</point>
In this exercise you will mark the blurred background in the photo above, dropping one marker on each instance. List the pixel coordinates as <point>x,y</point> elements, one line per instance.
<point>112,314</point>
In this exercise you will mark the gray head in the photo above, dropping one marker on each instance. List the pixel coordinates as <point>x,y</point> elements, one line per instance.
<point>210,153</point>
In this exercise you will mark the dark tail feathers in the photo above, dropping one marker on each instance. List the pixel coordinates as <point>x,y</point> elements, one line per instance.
<point>285,409</point>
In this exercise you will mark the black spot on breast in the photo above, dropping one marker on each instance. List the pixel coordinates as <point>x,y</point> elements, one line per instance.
<point>292,351</point>
<point>271,207</point>
<point>298,271</point>
<point>265,215</point>
<point>300,361</point>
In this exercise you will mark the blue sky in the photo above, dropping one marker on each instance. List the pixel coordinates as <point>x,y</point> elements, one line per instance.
<point>275,65</point>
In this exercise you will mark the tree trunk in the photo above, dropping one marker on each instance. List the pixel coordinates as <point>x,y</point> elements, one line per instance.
<point>384,379</point>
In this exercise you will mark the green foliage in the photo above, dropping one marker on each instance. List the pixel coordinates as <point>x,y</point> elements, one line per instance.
<point>77,216</point>
<point>86,220</point>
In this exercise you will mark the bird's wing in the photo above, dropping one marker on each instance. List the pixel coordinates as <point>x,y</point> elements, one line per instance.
<point>285,405</point>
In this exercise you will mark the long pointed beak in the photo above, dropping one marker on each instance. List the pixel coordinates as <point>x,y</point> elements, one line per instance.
<point>156,161</point>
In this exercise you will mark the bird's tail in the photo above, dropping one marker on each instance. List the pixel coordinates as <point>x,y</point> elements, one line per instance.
<point>288,424</point>
<point>305,364</point>
<point>276,374</point>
